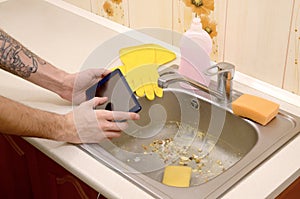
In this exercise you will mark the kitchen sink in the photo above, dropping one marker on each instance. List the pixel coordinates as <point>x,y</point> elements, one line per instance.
<point>186,128</point>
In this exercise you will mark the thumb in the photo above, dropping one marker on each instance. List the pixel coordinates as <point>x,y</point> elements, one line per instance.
<point>99,100</point>
<point>98,72</point>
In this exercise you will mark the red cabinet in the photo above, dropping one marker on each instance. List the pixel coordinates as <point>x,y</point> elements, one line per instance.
<point>28,173</point>
<point>15,178</point>
<point>292,191</point>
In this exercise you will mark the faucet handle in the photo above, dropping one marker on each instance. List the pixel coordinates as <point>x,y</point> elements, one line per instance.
<point>224,69</point>
<point>225,72</point>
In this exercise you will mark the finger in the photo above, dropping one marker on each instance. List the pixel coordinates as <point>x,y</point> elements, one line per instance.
<point>99,100</point>
<point>111,134</point>
<point>118,115</point>
<point>99,72</point>
<point>113,126</point>
<point>105,72</point>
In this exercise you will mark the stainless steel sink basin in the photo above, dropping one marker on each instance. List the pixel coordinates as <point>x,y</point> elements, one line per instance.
<point>176,129</point>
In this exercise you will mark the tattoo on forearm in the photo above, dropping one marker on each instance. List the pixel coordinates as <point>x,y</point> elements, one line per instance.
<point>16,59</point>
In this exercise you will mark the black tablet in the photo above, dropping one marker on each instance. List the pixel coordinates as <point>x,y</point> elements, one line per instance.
<point>115,87</point>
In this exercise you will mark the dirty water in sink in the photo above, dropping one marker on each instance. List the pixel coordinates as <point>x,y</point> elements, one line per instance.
<point>150,156</point>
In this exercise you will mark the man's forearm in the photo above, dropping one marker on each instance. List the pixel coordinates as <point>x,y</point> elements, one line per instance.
<point>18,119</point>
<point>18,60</point>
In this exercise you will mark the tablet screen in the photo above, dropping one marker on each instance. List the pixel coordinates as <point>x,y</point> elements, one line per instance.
<point>120,96</point>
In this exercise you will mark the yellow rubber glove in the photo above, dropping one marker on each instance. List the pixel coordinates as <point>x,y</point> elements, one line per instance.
<point>140,68</point>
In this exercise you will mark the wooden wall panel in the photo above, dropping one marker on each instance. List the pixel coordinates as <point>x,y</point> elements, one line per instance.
<point>152,17</point>
<point>292,73</point>
<point>256,37</point>
<point>85,4</point>
<point>220,16</point>
<point>181,20</point>
<point>115,11</point>
<point>154,13</point>
<point>182,16</point>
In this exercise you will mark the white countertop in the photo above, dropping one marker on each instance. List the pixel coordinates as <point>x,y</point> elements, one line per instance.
<point>65,36</point>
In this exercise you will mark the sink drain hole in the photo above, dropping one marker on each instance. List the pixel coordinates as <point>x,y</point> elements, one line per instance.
<point>195,104</point>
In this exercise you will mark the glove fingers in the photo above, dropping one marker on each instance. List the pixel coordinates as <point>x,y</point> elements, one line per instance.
<point>158,91</point>
<point>140,91</point>
<point>149,91</point>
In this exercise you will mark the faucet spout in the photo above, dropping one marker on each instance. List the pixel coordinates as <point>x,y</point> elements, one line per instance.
<point>225,73</point>
<point>172,77</point>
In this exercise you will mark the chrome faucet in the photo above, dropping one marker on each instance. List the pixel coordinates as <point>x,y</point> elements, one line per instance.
<point>225,73</point>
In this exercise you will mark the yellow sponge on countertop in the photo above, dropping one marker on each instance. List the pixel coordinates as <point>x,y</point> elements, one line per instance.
<point>255,108</point>
<point>177,176</point>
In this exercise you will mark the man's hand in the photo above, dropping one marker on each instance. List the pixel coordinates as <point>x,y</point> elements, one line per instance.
<point>92,125</point>
<point>76,84</point>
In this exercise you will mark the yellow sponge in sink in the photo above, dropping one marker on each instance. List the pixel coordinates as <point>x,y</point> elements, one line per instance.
<point>255,108</point>
<point>177,176</point>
